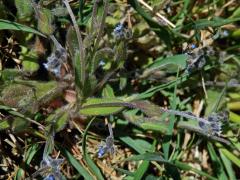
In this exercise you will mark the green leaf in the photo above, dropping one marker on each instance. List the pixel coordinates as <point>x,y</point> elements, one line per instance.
<point>214,101</point>
<point>74,162</point>
<point>161,31</point>
<point>141,170</point>
<point>77,69</point>
<point>231,156</point>
<point>101,106</point>
<point>157,157</point>
<point>123,171</point>
<point>236,13</point>
<point>19,124</point>
<point>8,25</point>
<point>234,117</point>
<point>234,105</point>
<point>24,8</point>
<point>217,164</point>
<point>4,124</point>
<point>9,74</point>
<point>89,85</point>
<point>144,165</point>
<point>45,21</point>
<point>59,11</point>
<point>60,117</point>
<point>30,62</point>
<point>148,108</point>
<point>167,139</point>
<point>179,60</point>
<point>148,157</point>
<point>72,42</point>
<point>171,64</point>
<point>108,92</point>
<point>18,95</point>
<point>186,167</point>
<point>96,171</point>
<point>139,145</point>
<point>228,166</point>
<point>28,156</point>
<point>29,95</point>
<point>204,23</point>
<point>122,83</point>
<point>153,123</point>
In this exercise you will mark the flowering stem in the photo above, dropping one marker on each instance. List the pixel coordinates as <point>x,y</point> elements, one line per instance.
<point>184,114</point>
<point>55,41</point>
<point>110,130</point>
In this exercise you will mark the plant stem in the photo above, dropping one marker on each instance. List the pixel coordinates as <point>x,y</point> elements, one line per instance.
<point>184,114</point>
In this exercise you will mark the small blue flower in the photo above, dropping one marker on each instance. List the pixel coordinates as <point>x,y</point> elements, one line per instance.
<point>193,46</point>
<point>46,65</point>
<point>56,60</point>
<point>101,62</point>
<point>49,168</point>
<point>101,151</point>
<point>49,177</point>
<point>119,28</point>
<point>225,33</point>
<point>108,145</point>
<point>119,31</point>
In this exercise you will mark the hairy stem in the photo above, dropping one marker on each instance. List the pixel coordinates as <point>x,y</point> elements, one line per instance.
<point>184,114</point>
<point>110,129</point>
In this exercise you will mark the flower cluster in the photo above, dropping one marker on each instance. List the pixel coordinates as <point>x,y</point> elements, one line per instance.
<point>50,169</point>
<point>53,166</point>
<point>197,57</point>
<point>108,145</point>
<point>118,31</point>
<point>55,61</point>
<point>215,122</point>
<point>196,60</point>
<point>121,32</point>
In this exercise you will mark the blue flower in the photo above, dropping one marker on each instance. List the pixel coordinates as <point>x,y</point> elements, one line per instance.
<point>49,177</point>
<point>193,46</point>
<point>119,31</point>
<point>56,60</point>
<point>101,151</point>
<point>108,145</point>
<point>50,169</point>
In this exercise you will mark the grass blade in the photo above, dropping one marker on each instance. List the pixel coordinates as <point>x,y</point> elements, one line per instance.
<point>96,171</point>
<point>228,166</point>
<point>74,162</point>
